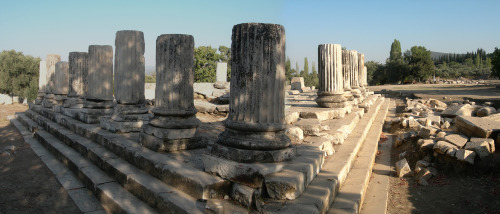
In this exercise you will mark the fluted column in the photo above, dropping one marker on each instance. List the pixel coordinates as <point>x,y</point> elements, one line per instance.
<point>50,63</point>
<point>346,70</point>
<point>254,129</point>
<point>100,73</point>
<point>78,71</point>
<point>129,67</point>
<point>331,81</point>
<point>42,81</point>
<point>174,123</point>
<point>354,80</point>
<point>61,78</point>
<point>361,67</point>
<point>365,77</point>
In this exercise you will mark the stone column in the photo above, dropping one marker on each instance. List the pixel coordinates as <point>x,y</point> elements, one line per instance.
<point>221,74</point>
<point>50,62</point>
<point>354,80</point>
<point>346,73</point>
<point>331,82</point>
<point>61,85</point>
<point>174,123</point>
<point>42,81</point>
<point>361,67</point>
<point>78,71</point>
<point>130,112</point>
<point>254,129</point>
<point>99,92</point>
<point>365,77</point>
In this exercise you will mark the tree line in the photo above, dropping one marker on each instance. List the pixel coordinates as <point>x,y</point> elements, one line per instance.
<point>417,65</point>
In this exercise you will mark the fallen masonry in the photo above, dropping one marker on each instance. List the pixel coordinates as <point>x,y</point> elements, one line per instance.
<point>170,155</point>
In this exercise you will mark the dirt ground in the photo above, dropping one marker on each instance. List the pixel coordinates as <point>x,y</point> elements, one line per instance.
<point>26,184</point>
<point>452,191</point>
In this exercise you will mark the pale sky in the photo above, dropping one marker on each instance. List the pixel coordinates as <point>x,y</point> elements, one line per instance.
<point>38,28</point>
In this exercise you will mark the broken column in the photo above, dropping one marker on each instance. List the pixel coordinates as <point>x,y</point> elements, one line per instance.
<point>221,72</point>
<point>354,78</point>
<point>254,129</point>
<point>174,123</point>
<point>78,71</point>
<point>130,112</point>
<point>50,63</point>
<point>361,69</point>
<point>346,74</point>
<point>99,92</point>
<point>331,87</point>
<point>61,85</point>
<point>42,81</point>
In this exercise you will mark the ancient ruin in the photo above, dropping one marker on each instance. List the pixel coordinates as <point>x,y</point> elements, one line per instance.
<point>130,112</point>
<point>331,80</point>
<point>42,81</point>
<point>174,123</point>
<point>61,85</point>
<point>50,62</point>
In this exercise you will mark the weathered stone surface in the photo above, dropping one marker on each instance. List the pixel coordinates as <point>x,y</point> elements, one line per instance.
<point>297,83</point>
<point>122,127</point>
<point>244,194</point>
<point>423,174</point>
<point>256,119</point>
<point>346,70</point>
<point>295,133</point>
<point>331,82</point>
<point>353,66</point>
<point>100,73</point>
<point>50,62</point>
<point>129,67</point>
<point>323,113</point>
<point>425,144</point>
<point>61,78</point>
<point>458,110</point>
<point>495,117</point>
<point>361,68</point>
<point>427,131</point>
<point>457,140</point>
<point>466,156</point>
<point>437,104</point>
<point>442,147</point>
<point>311,127</point>
<point>483,147</point>
<point>477,127</point>
<point>486,111</point>
<point>168,145</point>
<point>490,142</point>
<point>42,77</point>
<point>402,168</point>
<point>78,71</point>
<point>221,72</point>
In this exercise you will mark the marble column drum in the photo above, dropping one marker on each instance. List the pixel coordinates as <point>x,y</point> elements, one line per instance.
<point>354,80</point>
<point>98,94</point>
<point>331,81</point>
<point>130,112</point>
<point>174,123</point>
<point>254,129</point>
<point>42,81</point>
<point>346,74</point>
<point>361,67</point>
<point>50,63</point>
<point>61,85</point>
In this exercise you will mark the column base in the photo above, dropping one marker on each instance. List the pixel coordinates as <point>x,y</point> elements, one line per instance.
<point>252,156</point>
<point>332,101</point>
<point>48,100</point>
<point>91,115</point>
<point>73,102</point>
<point>126,118</point>
<point>98,104</point>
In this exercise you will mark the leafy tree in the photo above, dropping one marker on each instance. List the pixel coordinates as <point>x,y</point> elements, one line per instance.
<point>150,78</point>
<point>420,62</point>
<point>395,53</point>
<point>205,59</point>
<point>373,68</point>
<point>495,63</point>
<point>304,73</point>
<point>225,53</point>
<point>312,78</point>
<point>297,70</point>
<point>19,74</point>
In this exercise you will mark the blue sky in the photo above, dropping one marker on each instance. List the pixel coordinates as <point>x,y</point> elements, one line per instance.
<point>456,26</point>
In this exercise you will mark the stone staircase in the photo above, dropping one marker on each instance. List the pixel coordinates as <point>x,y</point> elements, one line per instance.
<point>128,178</point>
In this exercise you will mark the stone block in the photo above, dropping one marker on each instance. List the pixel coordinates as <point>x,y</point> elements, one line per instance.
<point>297,83</point>
<point>311,127</point>
<point>427,131</point>
<point>423,174</point>
<point>486,111</point>
<point>322,143</point>
<point>425,144</point>
<point>244,194</point>
<point>458,110</point>
<point>477,127</point>
<point>169,134</point>
<point>442,147</point>
<point>295,133</point>
<point>457,140</point>
<point>466,156</point>
<point>483,147</point>
<point>402,168</point>
<point>221,72</point>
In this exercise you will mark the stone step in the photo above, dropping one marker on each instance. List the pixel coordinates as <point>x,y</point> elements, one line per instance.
<point>142,185</point>
<point>320,193</point>
<point>351,194</point>
<point>184,177</point>
<point>117,201</point>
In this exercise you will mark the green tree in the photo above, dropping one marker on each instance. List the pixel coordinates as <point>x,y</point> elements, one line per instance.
<point>225,53</point>
<point>288,70</point>
<point>297,70</point>
<point>19,74</point>
<point>495,63</point>
<point>312,78</point>
<point>420,62</point>
<point>395,53</point>
<point>304,73</point>
<point>373,68</point>
<point>205,61</point>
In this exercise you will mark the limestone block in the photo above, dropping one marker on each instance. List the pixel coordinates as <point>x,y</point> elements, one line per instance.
<point>61,78</point>
<point>490,142</point>
<point>477,127</point>
<point>311,127</point>
<point>442,147</point>
<point>457,140</point>
<point>295,133</point>
<point>169,134</point>
<point>458,110</point>
<point>423,174</point>
<point>486,111</point>
<point>437,104</point>
<point>243,194</point>
<point>466,156</point>
<point>483,147</point>
<point>425,144</point>
<point>100,73</point>
<point>297,83</point>
<point>495,117</point>
<point>129,67</point>
<point>221,72</point>
<point>427,131</point>
<point>402,168</point>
